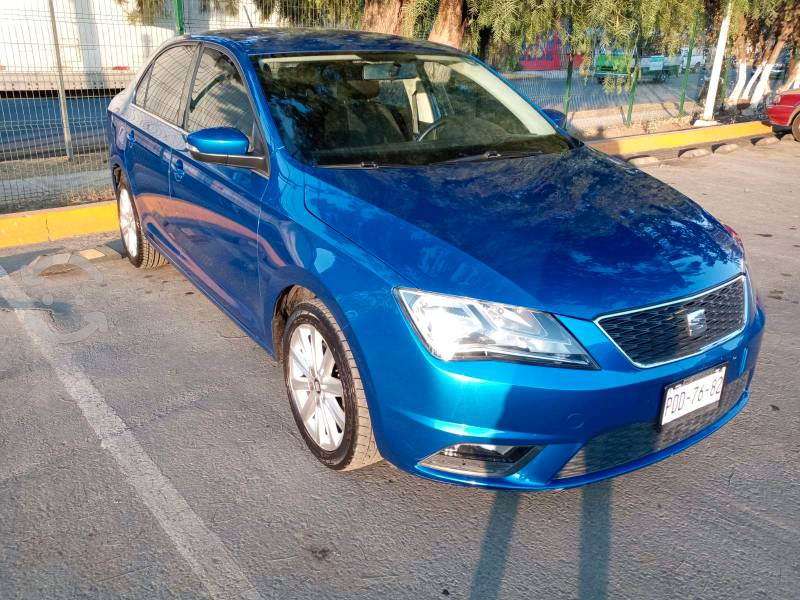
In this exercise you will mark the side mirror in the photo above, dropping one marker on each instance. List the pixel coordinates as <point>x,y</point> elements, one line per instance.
<point>224,146</point>
<point>558,117</point>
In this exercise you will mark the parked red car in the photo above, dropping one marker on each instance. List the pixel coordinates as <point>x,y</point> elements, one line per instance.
<point>784,112</point>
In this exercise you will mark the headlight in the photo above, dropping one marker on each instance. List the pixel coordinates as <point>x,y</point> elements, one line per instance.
<point>455,328</point>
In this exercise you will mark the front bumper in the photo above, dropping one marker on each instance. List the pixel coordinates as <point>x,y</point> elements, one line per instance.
<point>587,425</point>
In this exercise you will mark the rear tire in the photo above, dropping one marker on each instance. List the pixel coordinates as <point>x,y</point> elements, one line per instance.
<point>141,253</point>
<point>796,128</point>
<point>313,339</point>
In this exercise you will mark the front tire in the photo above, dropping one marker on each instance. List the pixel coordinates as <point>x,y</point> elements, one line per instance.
<point>796,128</point>
<point>140,251</point>
<point>325,390</point>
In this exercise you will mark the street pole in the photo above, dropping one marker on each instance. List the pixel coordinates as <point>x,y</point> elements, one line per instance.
<point>692,38</point>
<point>62,95</point>
<point>632,97</point>
<point>568,89</point>
<point>570,65</point>
<point>716,70</point>
<point>180,25</point>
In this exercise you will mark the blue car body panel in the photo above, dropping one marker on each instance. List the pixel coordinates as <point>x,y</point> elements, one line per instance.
<point>535,231</point>
<point>577,234</point>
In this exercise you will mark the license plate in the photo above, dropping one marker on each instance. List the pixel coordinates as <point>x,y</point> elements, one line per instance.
<point>693,393</point>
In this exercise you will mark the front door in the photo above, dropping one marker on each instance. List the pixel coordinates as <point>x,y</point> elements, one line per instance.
<point>213,210</point>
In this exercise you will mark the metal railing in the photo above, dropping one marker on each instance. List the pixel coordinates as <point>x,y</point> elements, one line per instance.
<point>61,62</point>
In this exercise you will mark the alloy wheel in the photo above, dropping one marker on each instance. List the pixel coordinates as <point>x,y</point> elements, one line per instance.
<point>316,388</point>
<point>127,223</point>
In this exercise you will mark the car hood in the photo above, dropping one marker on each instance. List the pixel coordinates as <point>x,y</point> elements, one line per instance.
<point>575,233</point>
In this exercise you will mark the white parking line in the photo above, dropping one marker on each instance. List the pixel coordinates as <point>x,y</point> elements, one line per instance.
<point>203,550</point>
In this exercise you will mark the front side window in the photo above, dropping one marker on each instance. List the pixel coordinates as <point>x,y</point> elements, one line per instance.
<point>406,109</point>
<point>161,91</point>
<point>219,97</point>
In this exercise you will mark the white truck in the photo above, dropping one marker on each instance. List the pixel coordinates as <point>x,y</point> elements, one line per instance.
<point>101,44</point>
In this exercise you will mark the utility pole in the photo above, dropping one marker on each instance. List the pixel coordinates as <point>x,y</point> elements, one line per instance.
<point>570,66</point>
<point>716,70</point>
<point>687,66</point>
<point>62,94</point>
<point>180,26</point>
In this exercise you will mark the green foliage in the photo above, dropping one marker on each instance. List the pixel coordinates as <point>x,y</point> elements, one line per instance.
<point>291,12</point>
<point>145,12</point>
<point>582,25</point>
<point>418,17</point>
<point>311,13</point>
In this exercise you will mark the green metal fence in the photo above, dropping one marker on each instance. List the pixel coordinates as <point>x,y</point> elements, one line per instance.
<point>61,61</point>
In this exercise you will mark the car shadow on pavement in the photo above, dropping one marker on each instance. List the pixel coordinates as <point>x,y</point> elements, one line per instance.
<point>488,575</point>
<point>595,541</point>
<point>593,551</point>
<point>593,544</point>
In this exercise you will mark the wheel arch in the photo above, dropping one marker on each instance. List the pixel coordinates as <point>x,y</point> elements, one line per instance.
<point>288,298</point>
<point>117,172</point>
<point>795,115</point>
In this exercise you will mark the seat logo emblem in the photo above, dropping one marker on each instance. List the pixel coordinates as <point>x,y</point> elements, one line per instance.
<point>696,322</point>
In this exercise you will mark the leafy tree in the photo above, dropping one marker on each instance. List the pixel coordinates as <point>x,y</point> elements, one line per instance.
<point>760,31</point>
<point>290,12</point>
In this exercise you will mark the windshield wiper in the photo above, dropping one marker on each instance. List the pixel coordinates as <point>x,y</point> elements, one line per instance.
<point>364,164</point>
<point>493,155</point>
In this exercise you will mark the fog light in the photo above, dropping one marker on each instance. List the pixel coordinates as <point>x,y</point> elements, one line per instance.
<point>484,460</point>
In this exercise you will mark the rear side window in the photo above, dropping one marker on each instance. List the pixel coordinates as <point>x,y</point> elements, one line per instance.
<point>161,91</point>
<point>219,97</point>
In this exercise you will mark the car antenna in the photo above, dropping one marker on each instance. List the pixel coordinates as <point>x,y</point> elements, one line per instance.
<point>247,14</point>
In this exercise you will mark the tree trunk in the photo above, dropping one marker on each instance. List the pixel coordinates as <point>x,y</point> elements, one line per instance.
<point>753,78</point>
<point>741,79</point>
<point>793,80</point>
<point>740,52</point>
<point>383,16</point>
<point>763,82</point>
<point>450,24</point>
<point>484,37</point>
<point>716,69</point>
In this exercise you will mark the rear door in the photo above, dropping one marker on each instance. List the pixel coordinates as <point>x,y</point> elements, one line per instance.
<point>213,211</point>
<point>154,128</point>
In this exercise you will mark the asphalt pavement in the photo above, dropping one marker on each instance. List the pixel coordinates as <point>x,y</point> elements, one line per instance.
<point>147,450</point>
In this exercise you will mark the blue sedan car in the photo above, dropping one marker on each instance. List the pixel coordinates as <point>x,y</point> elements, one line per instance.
<point>450,281</point>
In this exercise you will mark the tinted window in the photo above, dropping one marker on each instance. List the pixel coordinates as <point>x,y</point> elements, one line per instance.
<point>219,97</point>
<point>161,92</point>
<point>398,108</point>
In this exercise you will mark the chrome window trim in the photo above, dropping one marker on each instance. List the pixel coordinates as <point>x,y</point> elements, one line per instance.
<point>164,121</point>
<point>746,307</point>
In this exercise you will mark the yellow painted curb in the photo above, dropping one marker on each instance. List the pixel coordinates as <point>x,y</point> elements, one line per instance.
<point>639,144</point>
<point>34,227</point>
<point>37,226</point>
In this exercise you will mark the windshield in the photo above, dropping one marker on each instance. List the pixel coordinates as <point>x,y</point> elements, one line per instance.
<point>398,109</point>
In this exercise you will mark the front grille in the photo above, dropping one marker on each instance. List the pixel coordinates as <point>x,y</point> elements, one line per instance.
<point>631,442</point>
<point>653,336</point>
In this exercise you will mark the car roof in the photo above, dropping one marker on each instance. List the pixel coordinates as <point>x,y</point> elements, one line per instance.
<point>284,40</point>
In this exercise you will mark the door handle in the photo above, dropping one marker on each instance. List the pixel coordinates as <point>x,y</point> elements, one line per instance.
<point>177,170</point>
<point>131,138</point>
